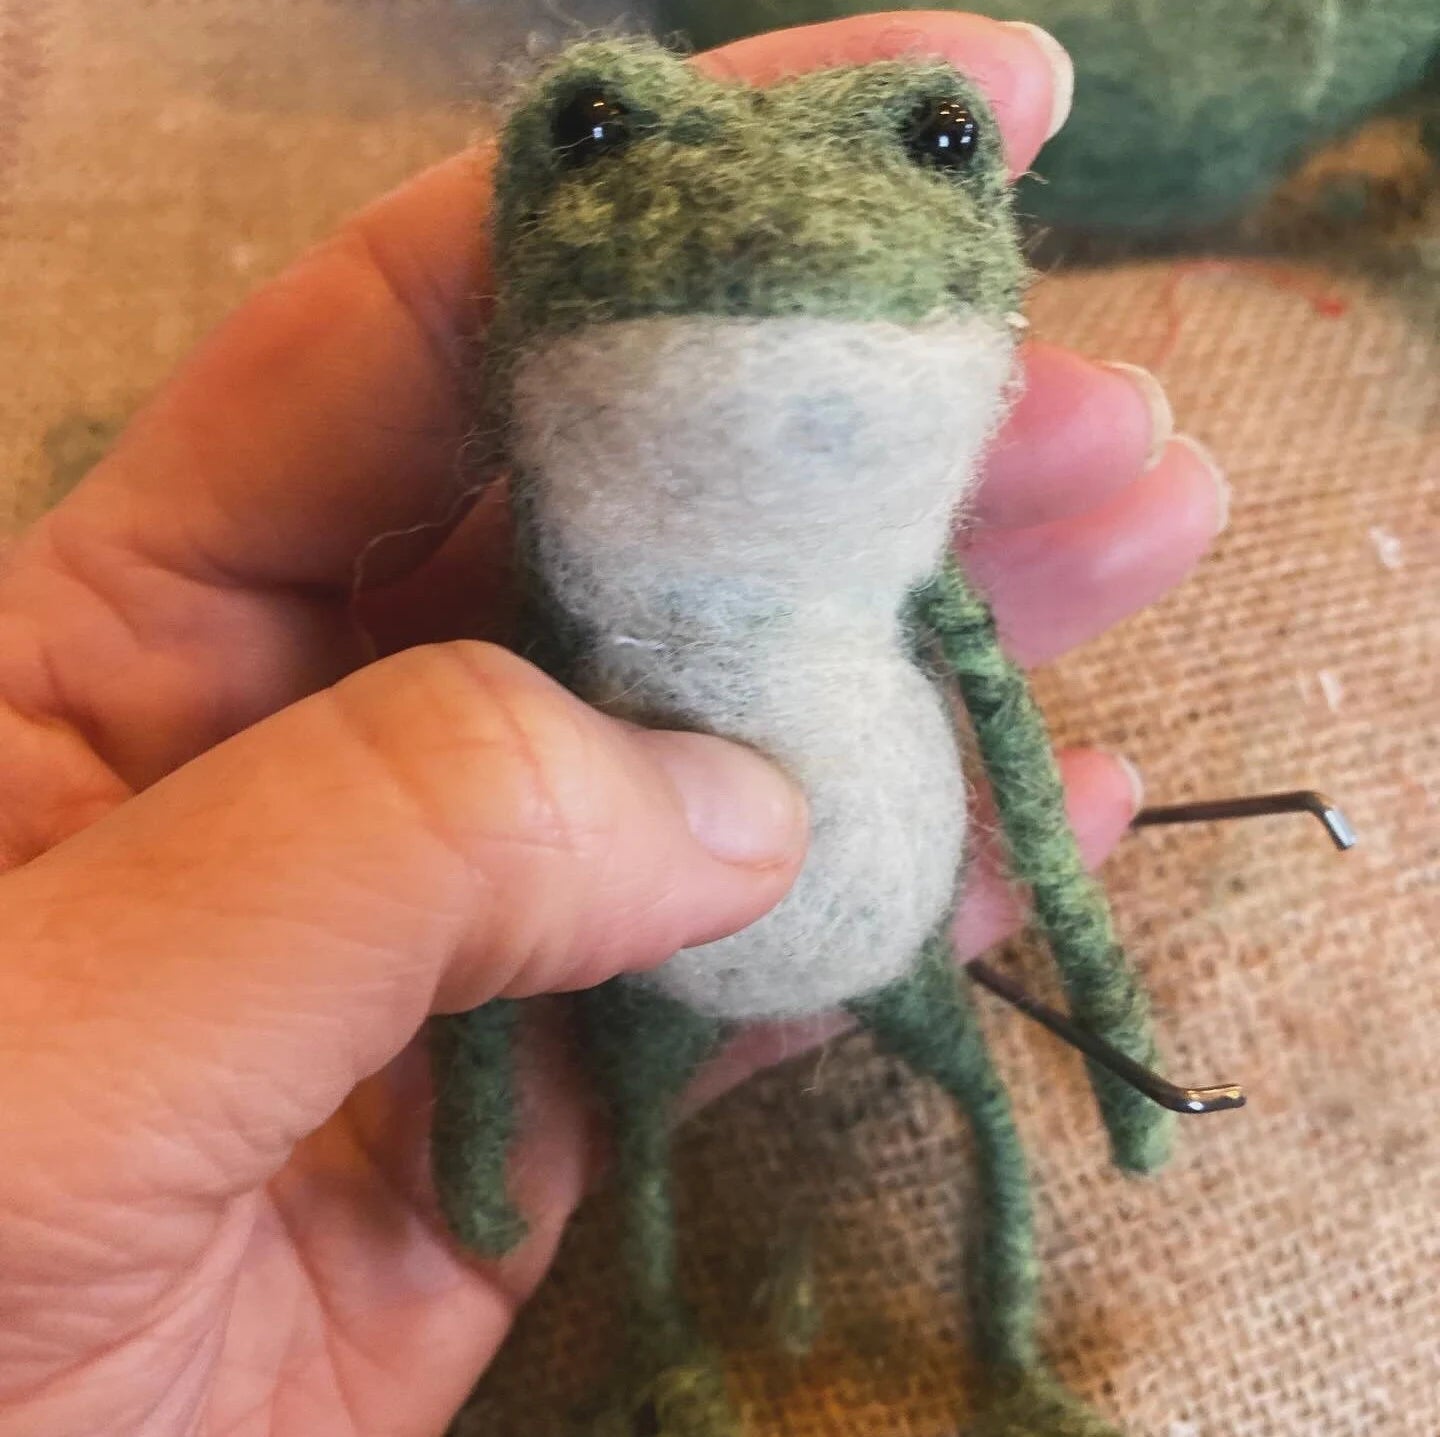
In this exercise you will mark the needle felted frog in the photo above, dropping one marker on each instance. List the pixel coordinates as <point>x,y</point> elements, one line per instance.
<point>748,346</point>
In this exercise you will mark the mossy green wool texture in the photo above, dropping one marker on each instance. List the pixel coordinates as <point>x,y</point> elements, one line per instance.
<point>1184,113</point>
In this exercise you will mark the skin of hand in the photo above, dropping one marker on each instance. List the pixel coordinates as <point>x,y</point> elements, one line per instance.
<point>244,862</point>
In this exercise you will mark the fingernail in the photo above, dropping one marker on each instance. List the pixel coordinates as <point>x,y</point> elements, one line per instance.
<point>1157,402</point>
<point>1062,73</point>
<point>1212,467</point>
<point>738,806</point>
<point>1136,780</point>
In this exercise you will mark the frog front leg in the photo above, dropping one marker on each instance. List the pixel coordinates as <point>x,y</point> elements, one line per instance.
<point>644,1048</point>
<point>1070,908</point>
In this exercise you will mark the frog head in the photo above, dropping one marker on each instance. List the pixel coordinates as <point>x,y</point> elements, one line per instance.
<point>727,314</point>
<point>632,185</point>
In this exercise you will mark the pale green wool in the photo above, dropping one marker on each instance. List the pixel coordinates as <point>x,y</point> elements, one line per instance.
<point>800,200</point>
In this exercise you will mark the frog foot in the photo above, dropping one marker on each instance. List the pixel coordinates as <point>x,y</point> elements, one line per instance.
<point>1037,1406</point>
<point>686,1400</point>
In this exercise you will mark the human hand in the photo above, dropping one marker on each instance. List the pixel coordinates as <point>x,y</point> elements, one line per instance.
<point>245,863</point>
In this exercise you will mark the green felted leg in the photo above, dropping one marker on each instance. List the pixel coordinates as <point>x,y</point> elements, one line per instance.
<point>1070,907</point>
<point>474,1124</point>
<point>929,1021</point>
<point>644,1049</point>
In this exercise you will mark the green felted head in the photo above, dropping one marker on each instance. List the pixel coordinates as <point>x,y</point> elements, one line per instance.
<point>1184,112</point>
<point>711,198</point>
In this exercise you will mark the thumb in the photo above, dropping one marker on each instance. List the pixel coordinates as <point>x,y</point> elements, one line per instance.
<point>240,944</point>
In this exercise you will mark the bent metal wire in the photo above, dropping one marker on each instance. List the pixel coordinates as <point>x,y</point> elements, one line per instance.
<point>1219,1097</point>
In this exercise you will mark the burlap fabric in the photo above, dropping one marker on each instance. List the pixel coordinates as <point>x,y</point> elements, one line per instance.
<point>1283,1277</point>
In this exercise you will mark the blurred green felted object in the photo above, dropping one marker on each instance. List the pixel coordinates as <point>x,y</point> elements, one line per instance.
<point>1184,114</point>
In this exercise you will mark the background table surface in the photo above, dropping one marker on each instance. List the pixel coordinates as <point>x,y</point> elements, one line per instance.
<point>159,159</point>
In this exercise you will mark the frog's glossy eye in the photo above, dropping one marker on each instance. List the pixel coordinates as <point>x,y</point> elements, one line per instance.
<point>943,134</point>
<point>588,125</point>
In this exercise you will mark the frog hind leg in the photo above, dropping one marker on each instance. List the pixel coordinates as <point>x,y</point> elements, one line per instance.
<point>644,1048</point>
<point>928,1020</point>
<point>474,1124</point>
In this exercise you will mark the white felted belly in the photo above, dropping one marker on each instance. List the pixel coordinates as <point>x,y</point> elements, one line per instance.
<point>871,744</point>
<point>732,513</point>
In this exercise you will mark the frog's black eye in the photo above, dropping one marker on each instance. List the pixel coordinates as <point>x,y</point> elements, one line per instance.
<point>943,134</point>
<point>588,125</point>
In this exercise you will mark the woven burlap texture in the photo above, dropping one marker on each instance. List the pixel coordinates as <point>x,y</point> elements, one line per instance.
<point>157,159</point>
